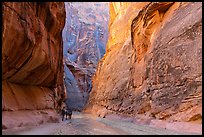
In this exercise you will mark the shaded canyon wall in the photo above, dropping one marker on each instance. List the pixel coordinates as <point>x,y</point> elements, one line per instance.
<point>32,62</point>
<point>152,66</point>
<point>84,38</point>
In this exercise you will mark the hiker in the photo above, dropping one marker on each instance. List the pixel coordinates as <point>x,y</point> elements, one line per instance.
<point>69,113</point>
<point>63,113</point>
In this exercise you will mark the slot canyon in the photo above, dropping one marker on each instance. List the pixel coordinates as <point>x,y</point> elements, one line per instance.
<point>121,67</point>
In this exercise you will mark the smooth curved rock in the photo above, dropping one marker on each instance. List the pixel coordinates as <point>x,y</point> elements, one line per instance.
<point>32,56</point>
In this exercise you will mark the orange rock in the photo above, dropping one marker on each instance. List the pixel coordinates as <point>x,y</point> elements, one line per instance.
<point>153,62</point>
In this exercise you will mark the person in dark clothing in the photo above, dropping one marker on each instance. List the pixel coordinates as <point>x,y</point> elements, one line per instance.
<point>63,113</point>
<point>69,113</point>
<point>66,113</point>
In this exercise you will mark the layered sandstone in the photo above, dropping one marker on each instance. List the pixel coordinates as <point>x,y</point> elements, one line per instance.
<point>152,67</point>
<point>84,37</point>
<point>32,62</point>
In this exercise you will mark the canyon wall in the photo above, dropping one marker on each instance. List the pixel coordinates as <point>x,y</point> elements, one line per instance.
<point>84,38</point>
<point>32,62</point>
<point>152,66</point>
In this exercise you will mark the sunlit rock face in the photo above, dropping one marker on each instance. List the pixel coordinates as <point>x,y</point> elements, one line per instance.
<point>32,62</point>
<point>152,67</point>
<point>84,37</point>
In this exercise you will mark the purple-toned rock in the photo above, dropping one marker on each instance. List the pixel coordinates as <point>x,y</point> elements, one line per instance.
<point>84,36</point>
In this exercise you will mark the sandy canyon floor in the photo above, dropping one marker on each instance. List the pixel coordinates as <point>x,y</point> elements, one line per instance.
<point>86,124</point>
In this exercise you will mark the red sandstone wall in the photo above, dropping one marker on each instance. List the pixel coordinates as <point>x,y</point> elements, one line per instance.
<point>32,67</point>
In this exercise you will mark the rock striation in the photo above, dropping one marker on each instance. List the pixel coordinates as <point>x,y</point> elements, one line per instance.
<point>84,37</point>
<point>32,62</point>
<point>152,66</point>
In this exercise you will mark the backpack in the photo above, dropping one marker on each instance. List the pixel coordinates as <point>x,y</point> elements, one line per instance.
<point>63,111</point>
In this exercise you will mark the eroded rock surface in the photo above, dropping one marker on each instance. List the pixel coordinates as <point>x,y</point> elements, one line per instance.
<point>32,60</point>
<point>84,36</point>
<point>152,67</point>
